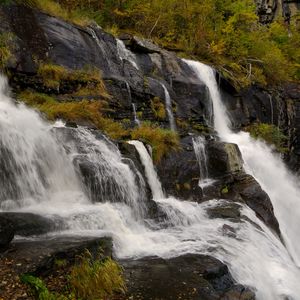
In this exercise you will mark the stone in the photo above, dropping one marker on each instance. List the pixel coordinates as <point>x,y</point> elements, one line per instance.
<point>187,277</point>
<point>7,233</point>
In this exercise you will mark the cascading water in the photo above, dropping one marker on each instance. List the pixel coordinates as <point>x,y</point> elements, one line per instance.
<point>255,256</point>
<point>126,54</point>
<point>262,163</point>
<point>200,152</point>
<point>169,108</point>
<point>136,119</point>
<point>29,156</point>
<point>152,177</point>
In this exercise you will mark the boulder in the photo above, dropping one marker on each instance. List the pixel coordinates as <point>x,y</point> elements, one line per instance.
<point>186,277</point>
<point>28,224</point>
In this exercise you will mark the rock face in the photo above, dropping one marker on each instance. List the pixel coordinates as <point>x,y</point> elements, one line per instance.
<point>185,277</point>
<point>7,233</point>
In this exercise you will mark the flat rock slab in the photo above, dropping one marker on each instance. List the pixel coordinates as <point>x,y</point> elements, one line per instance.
<point>185,277</point>
<point>38,257</point>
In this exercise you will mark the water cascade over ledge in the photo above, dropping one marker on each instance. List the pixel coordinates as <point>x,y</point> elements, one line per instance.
<point>47,165</point>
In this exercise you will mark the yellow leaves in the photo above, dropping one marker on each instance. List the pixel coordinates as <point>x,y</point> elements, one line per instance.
<point>217,48</point>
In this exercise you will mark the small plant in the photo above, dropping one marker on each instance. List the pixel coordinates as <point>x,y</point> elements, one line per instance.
<point>158,108</point>
<point>88,279</point>
<point>38,289</point>
<point>161,140</point>
<point>5,53</point>
<point>96,279</point>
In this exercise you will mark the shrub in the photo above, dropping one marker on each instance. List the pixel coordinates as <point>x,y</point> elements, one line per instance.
<point>158,108</point>
<point>271,134</point>
<point>97,279</point>
<point>88,279</point>
<point>161,140</point>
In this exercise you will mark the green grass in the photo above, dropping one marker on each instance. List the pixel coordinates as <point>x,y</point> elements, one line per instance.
<point>88,279</point>
<point>80,111</point>
<point>162,140</point>
<point>158,108</point>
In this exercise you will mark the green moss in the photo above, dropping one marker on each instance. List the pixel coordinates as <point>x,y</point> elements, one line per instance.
<point>225,190</point>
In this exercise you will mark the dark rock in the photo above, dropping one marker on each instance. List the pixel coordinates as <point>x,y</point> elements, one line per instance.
<point>223,159</point>
<point>179,172</point>
<point>226,211</point>
<point>28,224</point>
<point>7,232</point>
<point>185,277</point>
<point>38,257</point>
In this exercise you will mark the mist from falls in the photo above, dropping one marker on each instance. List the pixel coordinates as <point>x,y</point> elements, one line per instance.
<point>48,165</point>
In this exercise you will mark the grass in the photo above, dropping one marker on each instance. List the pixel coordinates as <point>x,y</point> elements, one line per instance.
<point>97,279</point>
<point>88,279</point>
<point>81,111</point>
<point>53,8</point>
<point>158,108</point>
<point>162,140</point>
<point>88,80</point>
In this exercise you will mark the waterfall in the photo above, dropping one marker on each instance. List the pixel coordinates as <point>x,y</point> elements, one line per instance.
<point>201,155</point>
<point>126,54</point>
<point>169,108</point>
<point>262,163</point>
<point>44,169</point>
<point>152,177</point>
<point>34,168</point>
<point>136,119</point>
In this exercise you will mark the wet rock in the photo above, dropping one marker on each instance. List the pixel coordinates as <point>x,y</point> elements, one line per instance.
<point>223,159</point>
<point>7,232</point>
<point>185,277</point>
<point>179,172</point>
<point>226,211</point>
<point>28,224</point>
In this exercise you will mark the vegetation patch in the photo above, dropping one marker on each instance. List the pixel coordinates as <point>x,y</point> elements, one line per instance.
<point>89,278</point>
<point>5,52</point>
<point>158,108</point>
<point>80,111</point>
<point>162,140</point>
<point>271,134</point>
<point>88,80</point>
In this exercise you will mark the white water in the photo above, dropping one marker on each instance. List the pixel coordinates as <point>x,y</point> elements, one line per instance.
<point>169,109</point>
<point>263,164</point>
<point>126,54</point>
<point>254,255</point>
<point>152,177</point>
<point>136,119</point>
<point>201,155</point>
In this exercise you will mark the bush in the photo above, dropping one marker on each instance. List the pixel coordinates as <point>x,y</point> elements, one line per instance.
<point>97,279</point>
<point>158,108</point>
<point>88,279</point>
<point>271,134</point>
<point>162,140</point>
